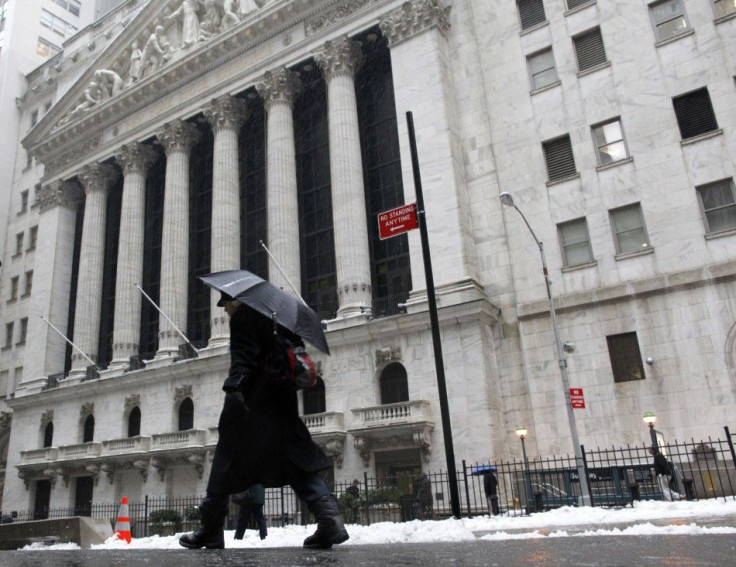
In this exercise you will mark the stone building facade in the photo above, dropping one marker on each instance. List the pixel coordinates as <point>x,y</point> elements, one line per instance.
<point>197,134</point>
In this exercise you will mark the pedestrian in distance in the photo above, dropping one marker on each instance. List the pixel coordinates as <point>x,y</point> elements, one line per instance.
<point>423,495</point>
<point>352,501</point>
<point>251,503</point>
<point>664,475</point>
<point>490,486</point>
<point>262,439</point>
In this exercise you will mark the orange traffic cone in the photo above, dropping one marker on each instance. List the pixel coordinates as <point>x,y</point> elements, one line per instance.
<point>122,526</point>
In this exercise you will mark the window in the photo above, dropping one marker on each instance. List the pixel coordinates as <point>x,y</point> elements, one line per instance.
<point>88,432</point>
<point>718,203</point>
<point>34,118</point>
<point>9,327</point>
<point>48,434</point>
<point>29,160</point>
<point>23,201</point>
<point>23,331</point>
<point>186,415</point>
<point>542,71</point>
<point>559,159</point>
<point>134,422</point>
<point>625,357</point>
<point>56,24</point>
<point>394,384</point>
<point>724,7</point>
<point>18,244</point>
<point>46,48</point>
<point>29,284</point>
<point>694,113</point>
<point>14,285</point>
<point>18,376</point>
<point>609,142</point>
<point>575,242</point>
<point>314,398</point>
<point>589,49</point>
<point>72,6</point>
<point>628,229</point>
<point>32,237</point>
<point>531,13</point>
<point>4,375</point>
<point>668,18</point>
<point>571,4</point>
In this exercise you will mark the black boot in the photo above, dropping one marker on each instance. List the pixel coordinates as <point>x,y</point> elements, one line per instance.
<point>210,534</point>
<point>330,529</point>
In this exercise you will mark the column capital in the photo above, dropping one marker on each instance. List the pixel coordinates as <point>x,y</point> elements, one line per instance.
<point>178,135</point>
<point>58,194</point>
<point>136,158</point>
<point>226,112</point>
<point>341,56</point>
<point>280,85</point>
<point>98,177</point>
<point>414,18</point>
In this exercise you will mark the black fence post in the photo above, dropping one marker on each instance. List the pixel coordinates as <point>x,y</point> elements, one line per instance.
<point>145,517</point>
<point>365,492</point>
<point>585,470</point>
<point>730,445</point>
<point>467,489</point>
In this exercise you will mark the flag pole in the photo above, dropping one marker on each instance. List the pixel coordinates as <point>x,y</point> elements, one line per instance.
<point>63,336</point>
<point>183,336</point>
<point>282,272</point>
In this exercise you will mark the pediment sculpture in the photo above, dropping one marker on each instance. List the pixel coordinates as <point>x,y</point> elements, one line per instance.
<point>192,23</point>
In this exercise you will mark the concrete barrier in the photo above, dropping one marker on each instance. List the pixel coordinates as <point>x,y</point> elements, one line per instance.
<point>81,530</point>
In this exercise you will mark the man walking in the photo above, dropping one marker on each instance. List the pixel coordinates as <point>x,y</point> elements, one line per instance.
<point>262,439</point>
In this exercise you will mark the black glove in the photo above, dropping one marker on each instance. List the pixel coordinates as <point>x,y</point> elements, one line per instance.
<point>237,400</point>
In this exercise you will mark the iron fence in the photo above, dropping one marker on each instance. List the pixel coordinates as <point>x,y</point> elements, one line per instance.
<point>617,477</point>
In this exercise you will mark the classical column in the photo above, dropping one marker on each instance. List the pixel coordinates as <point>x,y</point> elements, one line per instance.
<point>225,115</point>
<point>177,138</point>
<point>278,90</point>
<point>422,69</point>
<point>96,180</point>
<point>135,159</point>
<point>58,205</point>
<point>339,60</point>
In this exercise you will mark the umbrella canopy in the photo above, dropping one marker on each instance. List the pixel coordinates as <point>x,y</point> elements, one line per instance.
<point>273,302</point>
<point>483,468</point>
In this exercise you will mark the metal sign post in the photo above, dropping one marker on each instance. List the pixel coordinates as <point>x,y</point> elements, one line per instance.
<point>438,362</point>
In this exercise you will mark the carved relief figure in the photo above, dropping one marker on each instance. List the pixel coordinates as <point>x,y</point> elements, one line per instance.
<point>211,20</point>
<point>92,96</point>
<point>245,7</point>
<point>155,53</point>
<point>229,18</point>
<point>135,63</point>
<point>109,82</point>
<point>190,30</point>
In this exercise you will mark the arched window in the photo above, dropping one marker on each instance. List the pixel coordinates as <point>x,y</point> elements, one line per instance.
<point>394,385</point>
<point>48,434</point>
<point>186,415</point>
<point>314,398</point>
<point>89,429</point>
<point>134,422</point>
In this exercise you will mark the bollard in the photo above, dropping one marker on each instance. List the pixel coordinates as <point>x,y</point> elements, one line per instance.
<point>634,489</point>
<point>689,489</point>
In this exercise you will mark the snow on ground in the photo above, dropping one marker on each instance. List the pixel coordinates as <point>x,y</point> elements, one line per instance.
<point>679,518</point>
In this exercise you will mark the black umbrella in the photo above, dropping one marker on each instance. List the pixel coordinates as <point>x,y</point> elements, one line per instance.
<point>273,302</point>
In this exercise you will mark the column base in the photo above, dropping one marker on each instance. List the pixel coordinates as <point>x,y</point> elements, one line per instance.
<point>220,340</point>
<point>352,310</point>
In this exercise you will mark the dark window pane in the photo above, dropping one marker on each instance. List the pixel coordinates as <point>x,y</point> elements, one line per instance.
<point>695,114</point>
<point>589,49</point>
<point>394,384</point>
<point>559,158</point>
<point>625,357</point>
<point>186,415</point>
<point>531,13</point>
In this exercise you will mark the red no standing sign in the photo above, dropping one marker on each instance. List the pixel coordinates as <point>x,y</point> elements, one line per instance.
<point>577,401</point>
<point>397,221</point>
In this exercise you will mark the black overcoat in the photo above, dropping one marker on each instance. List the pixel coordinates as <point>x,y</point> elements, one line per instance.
<point>267,443</point>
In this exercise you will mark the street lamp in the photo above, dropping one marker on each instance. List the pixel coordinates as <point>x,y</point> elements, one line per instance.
<point>650,419</point>
<point>508,200</point>
<point>521,432</point>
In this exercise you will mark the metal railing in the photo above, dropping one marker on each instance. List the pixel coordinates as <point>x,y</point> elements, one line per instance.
<point>617,477</point>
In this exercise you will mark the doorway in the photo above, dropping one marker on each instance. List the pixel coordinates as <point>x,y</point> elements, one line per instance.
<point>83,496</point>
<point>42,500</point>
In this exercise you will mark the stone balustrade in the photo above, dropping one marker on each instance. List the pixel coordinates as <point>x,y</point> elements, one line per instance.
<point>414,411</point>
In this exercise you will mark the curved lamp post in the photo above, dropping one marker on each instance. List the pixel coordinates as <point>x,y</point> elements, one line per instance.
<point>650,419</point>
<point>508,200</point>
<point>521,432</point>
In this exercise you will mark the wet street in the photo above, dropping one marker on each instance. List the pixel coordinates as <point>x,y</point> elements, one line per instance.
<point>619,551</point>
